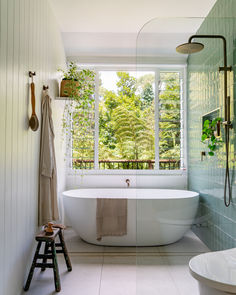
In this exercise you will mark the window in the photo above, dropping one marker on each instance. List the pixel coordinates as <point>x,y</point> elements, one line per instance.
<point>135,123</point>
<point>126,120</point>
<point>169,120</point>
<point>83,138</point>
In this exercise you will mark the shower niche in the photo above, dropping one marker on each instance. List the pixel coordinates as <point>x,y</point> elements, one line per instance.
<point>210,117</point>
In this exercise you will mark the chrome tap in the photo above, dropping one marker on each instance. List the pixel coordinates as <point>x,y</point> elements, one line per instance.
<point>128,182</point>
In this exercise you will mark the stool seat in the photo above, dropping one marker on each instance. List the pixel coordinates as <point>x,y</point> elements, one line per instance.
<point>50,253</point>
<point>42,236</point>
<point>61,226</point>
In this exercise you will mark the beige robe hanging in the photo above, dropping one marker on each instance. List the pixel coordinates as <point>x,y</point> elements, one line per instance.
<point>48,205</point>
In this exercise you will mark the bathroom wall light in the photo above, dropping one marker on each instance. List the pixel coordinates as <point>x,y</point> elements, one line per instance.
<point>193,47</point>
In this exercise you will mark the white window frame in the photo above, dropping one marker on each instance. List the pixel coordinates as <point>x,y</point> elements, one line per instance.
<point>156,171</point>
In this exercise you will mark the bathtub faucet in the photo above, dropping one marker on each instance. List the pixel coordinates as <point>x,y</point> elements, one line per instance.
<point>128,182</point>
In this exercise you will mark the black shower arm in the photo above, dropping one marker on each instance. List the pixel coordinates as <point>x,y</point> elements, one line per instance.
<point>225,68</point>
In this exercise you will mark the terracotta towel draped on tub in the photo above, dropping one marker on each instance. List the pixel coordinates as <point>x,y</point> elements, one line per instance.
<point>111,217</point>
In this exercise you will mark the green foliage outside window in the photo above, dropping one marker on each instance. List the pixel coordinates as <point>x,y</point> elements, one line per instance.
<point>125,130</point>
<point>127,121</point>
<point>169,119</point>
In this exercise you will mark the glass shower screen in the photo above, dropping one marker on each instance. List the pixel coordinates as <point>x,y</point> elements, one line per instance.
<point>165,210</point>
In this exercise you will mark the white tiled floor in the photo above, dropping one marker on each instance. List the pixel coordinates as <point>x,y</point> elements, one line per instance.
<point>118,276</point>
<point>101,270</point>
<point>84,279</point>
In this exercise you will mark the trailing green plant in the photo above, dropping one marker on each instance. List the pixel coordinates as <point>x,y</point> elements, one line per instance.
<point>81,97</point>
<point>209,135</point>
<point>71,72</point>
<point>83,91</point>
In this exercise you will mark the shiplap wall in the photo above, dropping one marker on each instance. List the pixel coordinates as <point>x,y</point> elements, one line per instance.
<point>29,40</point>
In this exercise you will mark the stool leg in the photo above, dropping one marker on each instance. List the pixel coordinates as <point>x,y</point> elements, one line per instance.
<point>45,253</point>
<point>65,252</point>
<point>55,268</point>
<point>31,272</point>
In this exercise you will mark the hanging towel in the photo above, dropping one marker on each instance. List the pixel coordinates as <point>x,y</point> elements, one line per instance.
<point>111,217</point>
<point>48,206</point>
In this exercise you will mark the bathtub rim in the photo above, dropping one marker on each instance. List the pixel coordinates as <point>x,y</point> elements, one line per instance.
<point>191,195</point>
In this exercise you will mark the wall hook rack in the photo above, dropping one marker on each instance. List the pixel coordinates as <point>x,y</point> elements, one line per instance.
<point>31,75</point>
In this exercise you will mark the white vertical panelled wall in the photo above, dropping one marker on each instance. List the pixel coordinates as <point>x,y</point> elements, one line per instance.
<point>29,40</point>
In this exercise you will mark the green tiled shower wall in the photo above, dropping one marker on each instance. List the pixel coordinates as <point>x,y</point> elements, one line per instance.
<point>215,224</point>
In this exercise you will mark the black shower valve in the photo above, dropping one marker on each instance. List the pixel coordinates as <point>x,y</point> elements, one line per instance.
<point>202,155</point>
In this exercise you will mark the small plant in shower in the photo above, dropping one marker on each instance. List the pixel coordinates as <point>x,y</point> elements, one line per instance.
<point>78,85</point>
<point>210,134</point>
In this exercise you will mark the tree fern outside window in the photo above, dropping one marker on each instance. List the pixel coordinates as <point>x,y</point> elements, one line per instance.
<point>139,123</point>
<point>169,120</point>
<point>126,122</point>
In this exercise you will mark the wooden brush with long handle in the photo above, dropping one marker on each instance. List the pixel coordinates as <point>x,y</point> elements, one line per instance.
<point>33,122</point>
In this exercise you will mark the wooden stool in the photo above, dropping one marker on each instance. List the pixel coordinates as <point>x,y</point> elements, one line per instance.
<point>50,252</point>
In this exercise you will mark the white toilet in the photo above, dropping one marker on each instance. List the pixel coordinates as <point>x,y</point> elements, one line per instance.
<point>215,272</point>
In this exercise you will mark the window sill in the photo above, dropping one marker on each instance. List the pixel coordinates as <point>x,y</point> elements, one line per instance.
<point>182,172</point>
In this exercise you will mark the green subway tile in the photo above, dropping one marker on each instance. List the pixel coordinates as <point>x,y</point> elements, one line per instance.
<point>205,93</point>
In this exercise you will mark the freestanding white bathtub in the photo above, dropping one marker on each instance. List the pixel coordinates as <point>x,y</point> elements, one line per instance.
<point>155,216</point>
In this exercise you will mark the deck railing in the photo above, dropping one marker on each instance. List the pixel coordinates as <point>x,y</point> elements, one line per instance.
<point>164,164</point>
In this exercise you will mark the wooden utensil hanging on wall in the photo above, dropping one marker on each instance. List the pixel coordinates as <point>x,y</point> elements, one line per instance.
<point>33,122</point>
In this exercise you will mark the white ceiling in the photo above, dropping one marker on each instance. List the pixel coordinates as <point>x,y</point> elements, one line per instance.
<point>105,28</point>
